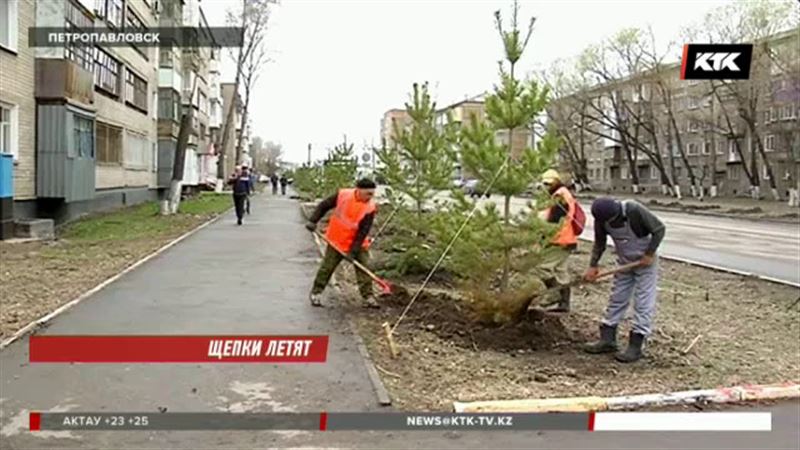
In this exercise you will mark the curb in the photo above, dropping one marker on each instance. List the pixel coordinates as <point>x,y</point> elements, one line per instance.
<point>735,394</point>
<point>63,308</point>
<point>372,372</point>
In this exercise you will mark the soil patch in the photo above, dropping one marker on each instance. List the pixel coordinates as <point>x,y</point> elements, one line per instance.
<point>748,334</point>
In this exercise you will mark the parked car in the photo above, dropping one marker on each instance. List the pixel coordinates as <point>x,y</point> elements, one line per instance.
<point>473,188</point>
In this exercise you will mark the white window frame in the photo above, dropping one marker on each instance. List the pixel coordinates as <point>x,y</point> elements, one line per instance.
<point>732,154</point>
<point>12,128</point>
<point>720,148</point>
<point>689,147</point>
<point>693,126</point>
<point>706,148</point>
<point>136,158</point>
<point>623,173</point>
<point>693,102</point>
<point>11,28</point>
<point>654,175</point>
<point>764,172</point>
<point>789,112</point>
<point>769,143</point>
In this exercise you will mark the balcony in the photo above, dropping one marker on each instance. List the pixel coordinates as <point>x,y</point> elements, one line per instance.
<point>63,79</point>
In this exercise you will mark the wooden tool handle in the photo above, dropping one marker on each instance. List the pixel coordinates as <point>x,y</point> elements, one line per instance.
<point>622,268</point>
<point>355,263</point>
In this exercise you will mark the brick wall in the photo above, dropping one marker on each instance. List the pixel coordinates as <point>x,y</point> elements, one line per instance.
<point>16,88</point>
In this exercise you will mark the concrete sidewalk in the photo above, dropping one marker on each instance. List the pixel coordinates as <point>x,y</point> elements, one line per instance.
<point>252,279</point>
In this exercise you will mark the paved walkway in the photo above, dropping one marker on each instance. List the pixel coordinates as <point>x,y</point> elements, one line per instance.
<point>251,279</point>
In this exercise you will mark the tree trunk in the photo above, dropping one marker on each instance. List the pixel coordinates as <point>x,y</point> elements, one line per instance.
<point>684,158</point>
<point>226,127</point>
<point>764,160</point>
<point>175,185</point>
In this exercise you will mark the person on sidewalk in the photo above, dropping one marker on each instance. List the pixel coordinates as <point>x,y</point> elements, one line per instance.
<point>566,238</point>
<point>354,213</point>
<point>252,190</point>
<point>636,233</point>
<point>273,179</point>
<point>284,182</point>
<point>240,181</point>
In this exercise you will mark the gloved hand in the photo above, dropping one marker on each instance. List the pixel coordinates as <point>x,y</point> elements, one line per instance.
<point>311,226</point>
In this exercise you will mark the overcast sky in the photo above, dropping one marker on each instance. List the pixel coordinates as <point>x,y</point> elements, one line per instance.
<point>339,65</point>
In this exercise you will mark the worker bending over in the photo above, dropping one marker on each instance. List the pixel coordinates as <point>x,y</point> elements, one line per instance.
<point>354,213</point>
<point>636,233</point>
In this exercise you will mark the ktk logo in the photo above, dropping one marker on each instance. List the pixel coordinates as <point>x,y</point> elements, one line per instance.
<point>716,61</point>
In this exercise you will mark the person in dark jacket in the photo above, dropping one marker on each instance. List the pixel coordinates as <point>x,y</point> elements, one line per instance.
<point>354,213</point>
<point>284,182</point>
<point>637,234</point>
<point>273,179</point>
<point>242,186</point>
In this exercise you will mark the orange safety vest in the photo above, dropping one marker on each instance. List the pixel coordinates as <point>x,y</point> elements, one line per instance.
<point>566,234</point>
<point>343,226</point>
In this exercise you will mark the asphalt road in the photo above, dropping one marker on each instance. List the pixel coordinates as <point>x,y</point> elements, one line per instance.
<point>254,279</point>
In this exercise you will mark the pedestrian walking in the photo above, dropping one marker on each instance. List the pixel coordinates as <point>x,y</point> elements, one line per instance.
<point>567,212</point>
<point>274,180</point>
<point>240,182</point>
<point>284,182</point>
<point>354,213</point>
<point>637,234</point>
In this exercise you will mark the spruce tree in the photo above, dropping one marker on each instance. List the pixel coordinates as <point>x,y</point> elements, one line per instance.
<point>418,165</point>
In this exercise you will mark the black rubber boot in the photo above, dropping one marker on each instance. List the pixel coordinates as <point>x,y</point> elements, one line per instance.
<point>634,351</point>
<point>607,342</point>
<point>563,304</point>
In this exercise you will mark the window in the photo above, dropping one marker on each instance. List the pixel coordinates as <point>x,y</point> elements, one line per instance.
<point>764,172</point>
<point>720,148</point>
<point>693,126</point>
<point>788,112</point>
<point>654,174</point>
<point>623,173</point>
<point>202,102</point>
<point>83,137</point>
<point>769,143</point>
<point>691,148</point>
<point>767,115</point>
<point>134,23</point>
<point>76,20</point>
<point>135,91</point>
<point>106,72</point>
<point>707,148</point>
<point>137,151</point>
<point>169,104</point>
<point>8,129</point>
<point>733,155</point>
<point>111,10</point>
<point>8,24</point>
<point>693,102</point>
<point>733,172</point>
<point>109,143</point>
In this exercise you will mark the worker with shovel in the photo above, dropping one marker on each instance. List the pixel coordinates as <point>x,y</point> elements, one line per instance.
<point>636,233</point>
<point>567,211</point>
<point>354,213</point>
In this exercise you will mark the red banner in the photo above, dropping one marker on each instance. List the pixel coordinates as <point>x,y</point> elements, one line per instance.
<point>178,349</point>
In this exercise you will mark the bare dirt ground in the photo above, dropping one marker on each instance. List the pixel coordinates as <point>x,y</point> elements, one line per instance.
<point>38,277</point>
<point>748,334</point>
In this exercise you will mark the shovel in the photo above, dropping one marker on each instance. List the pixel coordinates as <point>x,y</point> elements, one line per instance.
<point>577,282</point>
<point>386,288</point>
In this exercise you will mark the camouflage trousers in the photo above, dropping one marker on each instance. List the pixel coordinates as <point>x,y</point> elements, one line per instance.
<point>330,261</point>
<point>558,273</point>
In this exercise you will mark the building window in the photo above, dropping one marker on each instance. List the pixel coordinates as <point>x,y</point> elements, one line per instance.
<point>623,173</point>
<point>109,143</point>
<point>720,148</point>
<point>691,149</point>
<point>788,112</point>
<point>106,72</point>
<point>654,174</point>
<point>733,173</point>
<point>83,137</point>
<point>8,24</point>
<point>135,91</point>
<point>202,102</point>
<point>111,10</point>
<point>693,126</point>
<point>733,155</point>
<point>769,143</point>
<point>135,24</point>
<point>9,124</point>
<point>764,172</point>
<point>693,103</point>
<point>137,151</point>
<point>707,148</point>
<point>169,104</point>
<point>77,20</point>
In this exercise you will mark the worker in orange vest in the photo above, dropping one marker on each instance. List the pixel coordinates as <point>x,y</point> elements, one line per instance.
<point>353,215</point>
<point>563,212</point>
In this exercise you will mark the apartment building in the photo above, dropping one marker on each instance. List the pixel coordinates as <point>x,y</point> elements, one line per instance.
<point>228,98</point>
<point>392,118</point>
<point>184,87</point>
<point>17,107</point>
<point>719,148</point>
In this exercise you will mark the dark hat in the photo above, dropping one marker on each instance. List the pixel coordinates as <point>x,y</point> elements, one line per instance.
<point>605,209</point>
<point>365,183</point>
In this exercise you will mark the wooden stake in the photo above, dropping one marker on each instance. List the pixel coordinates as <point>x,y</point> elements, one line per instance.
<point>392,346</point>
<point>694,341</point>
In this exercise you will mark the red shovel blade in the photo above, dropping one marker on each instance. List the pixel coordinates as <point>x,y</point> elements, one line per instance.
<point>386,288</point>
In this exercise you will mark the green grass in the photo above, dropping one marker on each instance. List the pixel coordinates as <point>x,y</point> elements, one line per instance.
<point>144,220</point>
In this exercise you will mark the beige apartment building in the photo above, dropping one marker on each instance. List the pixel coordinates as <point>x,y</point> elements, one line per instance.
<point>719,153</point>
<point>392,118</point>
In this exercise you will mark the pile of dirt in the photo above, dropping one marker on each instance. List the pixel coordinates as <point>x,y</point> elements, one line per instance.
<point>753,210</point>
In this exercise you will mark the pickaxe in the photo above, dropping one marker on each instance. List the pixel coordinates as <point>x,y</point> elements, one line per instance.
<point>386,288</point>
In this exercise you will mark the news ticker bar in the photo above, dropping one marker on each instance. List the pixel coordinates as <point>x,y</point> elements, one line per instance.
<point>342,421</point>
<point>177,349</point>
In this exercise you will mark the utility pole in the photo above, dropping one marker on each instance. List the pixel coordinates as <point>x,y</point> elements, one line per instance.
<point>309,154</point>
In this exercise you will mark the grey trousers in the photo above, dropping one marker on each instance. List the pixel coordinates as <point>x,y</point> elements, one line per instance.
<point>641,284</point>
